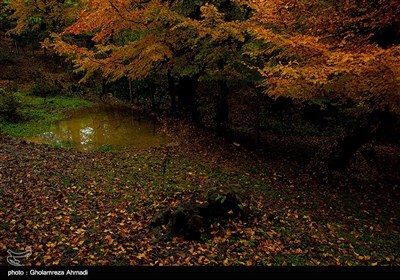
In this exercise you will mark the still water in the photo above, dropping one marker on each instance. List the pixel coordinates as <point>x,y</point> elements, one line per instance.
<point>103,128</point>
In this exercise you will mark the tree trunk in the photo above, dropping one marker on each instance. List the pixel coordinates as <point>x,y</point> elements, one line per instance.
<point>222,114</point>
<point>257,132</point>
<point>376,124</point>
<point>152,95</point>
<point>187,96</point>
<point>222,108</point>
<point>16,47</point>
<point>33,48</point>
<point>172,93</point>
<point>104,87</point>
<point>130,92</point>
<point>137,99</point>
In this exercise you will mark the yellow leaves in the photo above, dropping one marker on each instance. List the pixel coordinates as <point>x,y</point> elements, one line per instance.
<point>112,215</point>
<point>316,262</point>
<point>298,251</point>
<point>109,239</point>
<point>305,217</point>
<point>270,246</point>
<point>211,15</point>
<point>141,256</point>
<point>192,251</point>
<point>362,258</point>
<point>80,231</point>
<point>50,245</point>
<point>250,232</point>
<point>202,260</point>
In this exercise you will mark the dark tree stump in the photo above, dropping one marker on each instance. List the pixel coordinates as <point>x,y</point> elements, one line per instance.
<point>193,219</point>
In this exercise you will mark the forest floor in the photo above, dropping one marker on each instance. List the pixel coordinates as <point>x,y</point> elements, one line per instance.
<point>94,208</point>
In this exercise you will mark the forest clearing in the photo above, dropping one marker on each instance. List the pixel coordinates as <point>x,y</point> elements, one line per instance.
<point>200,133</point>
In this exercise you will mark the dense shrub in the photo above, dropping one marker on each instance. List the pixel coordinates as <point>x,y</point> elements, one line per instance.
<point>44,89</point>
<point>8,103</point>
<point>46,84</point>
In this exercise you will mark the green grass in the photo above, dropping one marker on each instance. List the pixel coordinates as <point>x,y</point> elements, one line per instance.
<point>106,148</point>
<point>37,114</point>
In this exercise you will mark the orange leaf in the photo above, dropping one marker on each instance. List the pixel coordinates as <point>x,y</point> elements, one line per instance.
<point>141,256</point>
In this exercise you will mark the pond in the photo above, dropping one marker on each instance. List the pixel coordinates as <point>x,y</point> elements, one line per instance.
<point>104,129</point>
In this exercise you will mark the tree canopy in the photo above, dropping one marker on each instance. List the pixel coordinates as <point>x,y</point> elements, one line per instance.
<point>299,49</point>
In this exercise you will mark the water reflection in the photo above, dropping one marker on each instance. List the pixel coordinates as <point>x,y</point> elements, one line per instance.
<point>97,127</point>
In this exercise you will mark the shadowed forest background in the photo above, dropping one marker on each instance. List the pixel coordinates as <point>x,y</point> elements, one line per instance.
<point>263,132</point>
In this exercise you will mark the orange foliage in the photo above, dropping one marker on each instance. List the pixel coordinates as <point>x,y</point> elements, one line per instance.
<point>308,48</point>
<point>317,40</point>
<point>32,15</point>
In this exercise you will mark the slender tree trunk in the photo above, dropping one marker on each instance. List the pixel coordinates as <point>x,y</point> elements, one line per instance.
<point>16,47</point>
<point>130,92</point>
<point>172,93</point>
<point>222,114</point>
<point>137,99</point>
<point>222,102</point>
<point>104,87</point>
<point>186,93</point>
<point>152,95</point>
<point>257,130</point>
<point>32,48</point>
<point>258,99</point>
<point>222,107</point>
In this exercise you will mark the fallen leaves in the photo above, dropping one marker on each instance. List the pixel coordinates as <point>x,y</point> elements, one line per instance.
<point>109,239</point>
<point>99,216</point>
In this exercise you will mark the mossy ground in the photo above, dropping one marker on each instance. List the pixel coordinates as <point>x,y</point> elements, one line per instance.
<point>36,114</point>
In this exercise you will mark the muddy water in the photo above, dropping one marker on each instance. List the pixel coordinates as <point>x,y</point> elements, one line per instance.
<point>103,128</point>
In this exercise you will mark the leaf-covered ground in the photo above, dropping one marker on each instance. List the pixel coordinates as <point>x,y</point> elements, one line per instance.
<point>77,208</point>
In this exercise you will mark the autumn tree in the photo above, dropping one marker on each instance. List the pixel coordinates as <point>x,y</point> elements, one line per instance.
<point>217,31</point>
<point>332,49</point>
<point>42,15</point>
<point>301,50</point>
<point>36,19</point>
<point>183,41</point>
<point>124,35</point>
